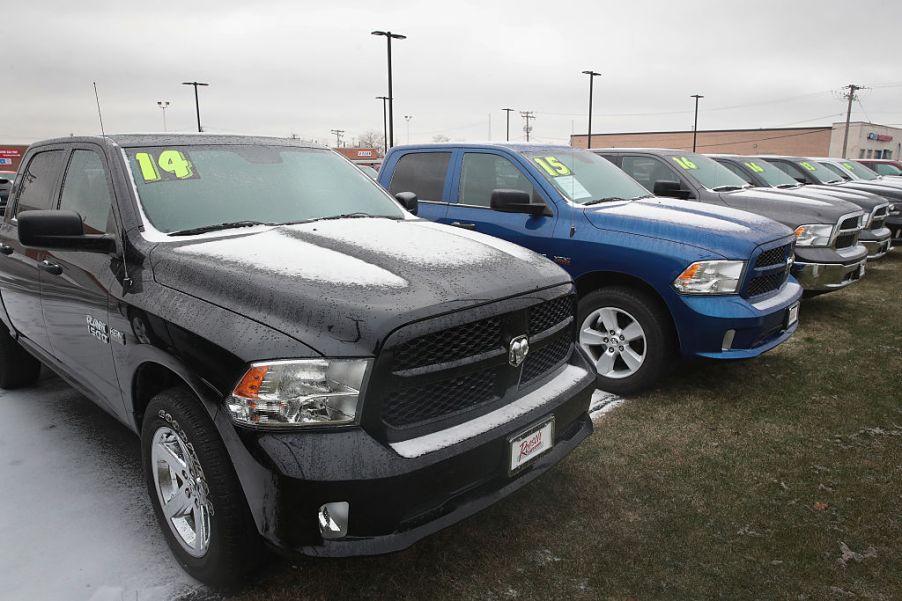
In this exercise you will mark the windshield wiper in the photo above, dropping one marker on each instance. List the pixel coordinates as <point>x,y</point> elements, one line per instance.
<point>605,199</point>
<point>789,186</point>
<point>727,188</point>
<point>216,227</point>
<point>357,215</point>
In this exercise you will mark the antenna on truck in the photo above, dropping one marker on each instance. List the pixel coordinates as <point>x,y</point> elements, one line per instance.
<point>99,113</point>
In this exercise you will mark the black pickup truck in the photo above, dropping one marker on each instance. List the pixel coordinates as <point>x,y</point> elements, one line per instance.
<point>306,363</point>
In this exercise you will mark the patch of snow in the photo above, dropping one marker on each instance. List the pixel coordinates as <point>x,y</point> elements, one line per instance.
<point>419,242</point>
<point>285,255</point>
<point>415,447</point>
<point>75,518</point>
<point>504,246</point>
<point>694,218</point>
<point>603,402</point>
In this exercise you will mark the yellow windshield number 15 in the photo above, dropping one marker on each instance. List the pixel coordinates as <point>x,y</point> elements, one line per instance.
<point>172,162</point>
<point>553,166</point>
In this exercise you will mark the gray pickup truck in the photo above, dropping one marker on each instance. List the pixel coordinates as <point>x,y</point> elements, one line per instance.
<point>827,253</point>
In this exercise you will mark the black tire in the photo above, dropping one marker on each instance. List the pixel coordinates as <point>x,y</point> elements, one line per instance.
<point>234,546</point>
<point>17,367</point>
<point>655,322</point>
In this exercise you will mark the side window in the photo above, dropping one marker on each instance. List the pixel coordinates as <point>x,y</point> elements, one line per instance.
<point>791,170</point>
<point>648,170</point>
<point>738,171</point>
<point>86,191</point>
<point>483,173</point>
<point>37,181</point>
<point>422,173</point>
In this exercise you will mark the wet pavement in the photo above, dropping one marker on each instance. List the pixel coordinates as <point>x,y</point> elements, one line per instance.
<point>75,519</point>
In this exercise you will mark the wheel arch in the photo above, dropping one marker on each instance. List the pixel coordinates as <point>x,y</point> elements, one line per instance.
<point>596,280</point>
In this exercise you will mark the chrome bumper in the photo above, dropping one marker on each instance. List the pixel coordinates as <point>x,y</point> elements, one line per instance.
<point>827,276</point>
<point>881,246</point>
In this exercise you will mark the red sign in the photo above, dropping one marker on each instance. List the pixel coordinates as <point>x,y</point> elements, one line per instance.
<point>10,156</point>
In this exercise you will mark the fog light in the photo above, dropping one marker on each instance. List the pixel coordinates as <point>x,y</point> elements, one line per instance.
<point>333,519</point>
<point>728,340</point>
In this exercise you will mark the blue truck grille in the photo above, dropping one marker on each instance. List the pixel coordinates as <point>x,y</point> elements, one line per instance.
<point>769,272</point>
<point>774,256</point>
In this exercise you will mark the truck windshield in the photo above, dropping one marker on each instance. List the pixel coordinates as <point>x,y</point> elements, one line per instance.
<point>584,177</point>
<point>183,188</point>
<point>861,170</point>
<point>773,176</point>
<point>821,174</point>
<point>708,172</point>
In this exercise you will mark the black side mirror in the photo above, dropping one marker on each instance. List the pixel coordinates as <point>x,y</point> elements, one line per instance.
<point>60,229</point>
<point>409,201</point>
<point>671,189</point>
<point>516,201</point>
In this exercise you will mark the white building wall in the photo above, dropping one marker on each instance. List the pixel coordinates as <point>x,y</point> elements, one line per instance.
<point>860,146</point>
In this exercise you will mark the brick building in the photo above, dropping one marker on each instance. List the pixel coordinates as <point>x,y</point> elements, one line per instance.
<point>866,140</point>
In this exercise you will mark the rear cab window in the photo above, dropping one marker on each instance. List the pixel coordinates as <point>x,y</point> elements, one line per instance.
<point>423,173</point>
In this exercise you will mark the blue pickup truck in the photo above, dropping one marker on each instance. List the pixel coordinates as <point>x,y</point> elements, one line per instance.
<point>654,276</point>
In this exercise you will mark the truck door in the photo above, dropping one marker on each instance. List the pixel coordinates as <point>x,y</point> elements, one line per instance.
<point>481,173</point>
<point>75,287</point>
<point>426,175</point>
<point>21,266</point>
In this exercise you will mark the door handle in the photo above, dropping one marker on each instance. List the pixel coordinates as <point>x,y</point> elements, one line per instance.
<point>466,226</point>
<point>6,249</point>
<point>50,267</point>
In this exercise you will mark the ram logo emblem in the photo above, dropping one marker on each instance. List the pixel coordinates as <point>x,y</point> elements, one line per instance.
<point>519,348</point>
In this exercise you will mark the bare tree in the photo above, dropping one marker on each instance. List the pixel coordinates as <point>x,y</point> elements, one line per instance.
<point>440,138</point>
<point>372,139</point>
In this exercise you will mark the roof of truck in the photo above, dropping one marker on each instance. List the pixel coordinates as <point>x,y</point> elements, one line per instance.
<point>191,139</point>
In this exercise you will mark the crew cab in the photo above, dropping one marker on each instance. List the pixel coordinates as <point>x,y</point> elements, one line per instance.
<point>874,236</point>
<point>811,172</point>
<point>653,275</point>
<point>304,360</point>
<point>827,254</point>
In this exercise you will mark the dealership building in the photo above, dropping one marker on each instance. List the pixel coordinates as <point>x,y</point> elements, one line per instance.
<point>866,140</point>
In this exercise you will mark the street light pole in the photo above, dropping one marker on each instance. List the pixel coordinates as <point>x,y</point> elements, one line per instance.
<point>508,117</point>
<point>408,118</point>
<point>389,36</point>
<point>163,104</point>
<point>384,123</point>
<point>695,125</point>
<point>592,75</point>
<point>196,100</point>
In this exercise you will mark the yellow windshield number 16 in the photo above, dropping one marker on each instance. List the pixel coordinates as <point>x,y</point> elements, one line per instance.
<point>170,161</point>
<point>553,166</point>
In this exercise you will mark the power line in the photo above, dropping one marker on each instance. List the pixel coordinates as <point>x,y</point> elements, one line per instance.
<point>852,89</point>
<point>337,133</point>
<point>527,115</point>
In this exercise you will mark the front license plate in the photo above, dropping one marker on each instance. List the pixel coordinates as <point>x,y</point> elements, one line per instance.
<point>528,445</point>
<point>793,315</point>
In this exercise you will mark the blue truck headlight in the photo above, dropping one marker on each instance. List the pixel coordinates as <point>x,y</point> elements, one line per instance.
<point>298,393</point>
<point>710,277</point>
<point>813,235</point>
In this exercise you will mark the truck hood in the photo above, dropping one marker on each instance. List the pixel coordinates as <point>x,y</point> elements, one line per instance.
<point>866,200</point>
<point>787,208</point>
<point>893,193</point>
<point>727,232</point>
<point>341,286</point>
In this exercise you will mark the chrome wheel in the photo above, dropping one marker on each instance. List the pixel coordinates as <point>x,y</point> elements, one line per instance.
<point>615,341</point>
<point>181,491</point>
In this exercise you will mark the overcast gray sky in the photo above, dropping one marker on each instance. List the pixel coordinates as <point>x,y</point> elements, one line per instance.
<point>303,67</point>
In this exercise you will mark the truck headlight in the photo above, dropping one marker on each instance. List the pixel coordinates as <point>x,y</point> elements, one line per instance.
<point>710,277</point>
<point>305,392</point>
<point>814,235</point>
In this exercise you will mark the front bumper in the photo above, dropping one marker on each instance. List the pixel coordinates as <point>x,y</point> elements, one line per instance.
<point>894,224</point>
<point>878,242</point>
<point>827,269</point>
<point>751,327</point>
<point>401,492</point>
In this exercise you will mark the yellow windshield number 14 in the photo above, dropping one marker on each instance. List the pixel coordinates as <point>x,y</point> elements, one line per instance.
<point>553,166</point>
<point>172,162</point>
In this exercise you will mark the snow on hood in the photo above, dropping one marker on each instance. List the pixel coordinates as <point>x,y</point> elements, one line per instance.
<point>719,229</point>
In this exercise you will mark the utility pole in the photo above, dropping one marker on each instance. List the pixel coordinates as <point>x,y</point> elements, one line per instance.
<point>695,125</point>
<point>389,36</point>
<point>384,124</point>
<point>508,117</point>
<point>196,101</point>
<point>527,128</point>
<point>408,118</point>
<point>852,89</point>
<point>592,75</point>
<point>337,133</point>
<point>163,104</point>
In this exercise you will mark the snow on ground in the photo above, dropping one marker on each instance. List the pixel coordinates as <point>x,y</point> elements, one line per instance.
<point>602,402</point>
<point>75,520</point>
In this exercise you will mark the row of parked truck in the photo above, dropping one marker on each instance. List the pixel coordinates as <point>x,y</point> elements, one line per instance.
<point>334,370</point>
